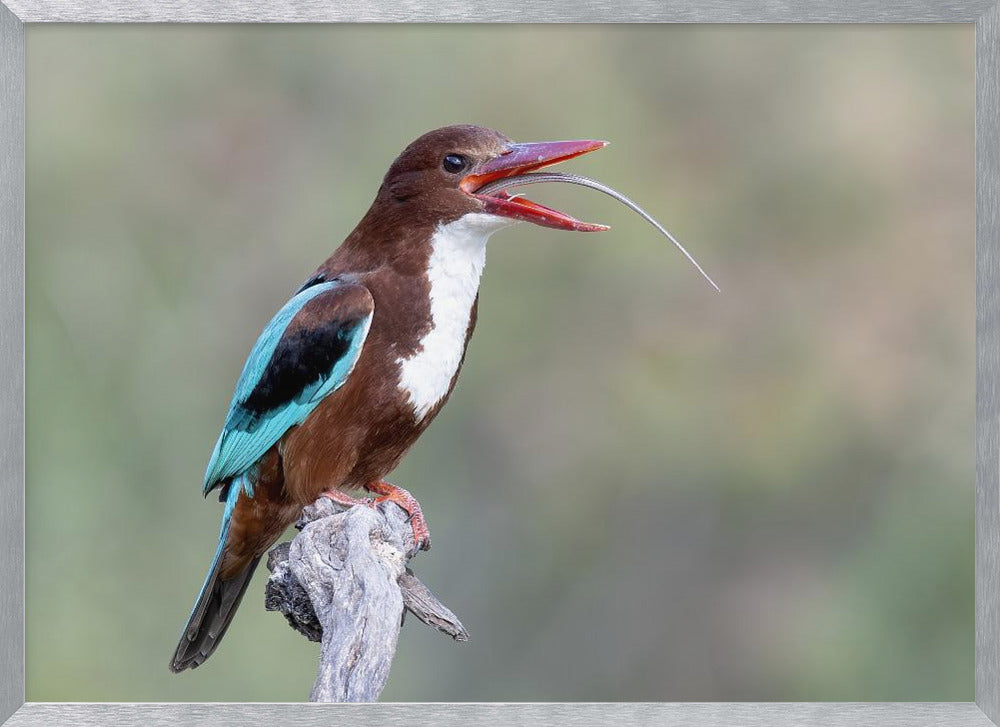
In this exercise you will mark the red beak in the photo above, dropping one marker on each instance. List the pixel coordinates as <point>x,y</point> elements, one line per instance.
<point>521,159</point>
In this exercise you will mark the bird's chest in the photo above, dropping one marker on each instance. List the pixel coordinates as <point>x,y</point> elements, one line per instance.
<point>455,265</point>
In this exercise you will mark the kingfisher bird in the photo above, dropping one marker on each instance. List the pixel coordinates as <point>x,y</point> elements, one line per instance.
<point>357,364</point>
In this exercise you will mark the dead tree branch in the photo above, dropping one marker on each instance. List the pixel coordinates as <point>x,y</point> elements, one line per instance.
<point>343,581</point>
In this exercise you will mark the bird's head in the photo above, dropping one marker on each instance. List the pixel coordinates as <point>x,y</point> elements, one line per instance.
<point>439,175</point>
<point>463,173</point>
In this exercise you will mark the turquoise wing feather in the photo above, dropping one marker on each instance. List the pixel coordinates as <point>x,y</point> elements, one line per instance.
<point>305,353</point>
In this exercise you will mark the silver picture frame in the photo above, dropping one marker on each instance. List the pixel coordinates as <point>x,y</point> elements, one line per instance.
<point>984,14</point>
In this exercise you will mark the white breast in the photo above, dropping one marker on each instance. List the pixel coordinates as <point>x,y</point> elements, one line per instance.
<point>458,254</point>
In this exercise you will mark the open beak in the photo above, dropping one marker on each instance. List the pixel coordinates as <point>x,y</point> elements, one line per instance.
<point>521,159</point>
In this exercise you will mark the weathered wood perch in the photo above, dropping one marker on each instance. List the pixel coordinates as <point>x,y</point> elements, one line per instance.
<point>343,581</point>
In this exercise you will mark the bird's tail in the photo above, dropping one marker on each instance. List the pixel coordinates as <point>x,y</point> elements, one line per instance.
<point>216,604</point>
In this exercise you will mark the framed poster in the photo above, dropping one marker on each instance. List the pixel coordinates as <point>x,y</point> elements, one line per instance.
<point>693,497</point>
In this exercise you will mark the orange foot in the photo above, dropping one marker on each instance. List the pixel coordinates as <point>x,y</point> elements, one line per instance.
<point>341,497</point>
<point>391,493</point>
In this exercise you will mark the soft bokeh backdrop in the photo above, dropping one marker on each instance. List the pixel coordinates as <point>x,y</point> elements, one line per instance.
<point>641,489</point>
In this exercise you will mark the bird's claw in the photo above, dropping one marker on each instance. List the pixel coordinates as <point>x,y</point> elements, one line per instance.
<point>342,498</point>
<point>390,493</point>
<point>421,533</point>
<point>415,517</point>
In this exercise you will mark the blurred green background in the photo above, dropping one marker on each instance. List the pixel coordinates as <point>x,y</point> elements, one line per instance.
<point>641,489</point>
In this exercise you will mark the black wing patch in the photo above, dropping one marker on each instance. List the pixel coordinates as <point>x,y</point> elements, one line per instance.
<point>301,361</point>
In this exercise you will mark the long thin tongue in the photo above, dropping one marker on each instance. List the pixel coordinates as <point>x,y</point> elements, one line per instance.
<point>521,180</point>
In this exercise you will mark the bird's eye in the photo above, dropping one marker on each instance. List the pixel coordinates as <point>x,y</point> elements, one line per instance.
<point>454,163</point>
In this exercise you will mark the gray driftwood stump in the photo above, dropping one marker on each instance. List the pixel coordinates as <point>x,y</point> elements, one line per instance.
<point>343,581</point>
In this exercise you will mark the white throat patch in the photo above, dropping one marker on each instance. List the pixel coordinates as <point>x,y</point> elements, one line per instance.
<point>458,254</point>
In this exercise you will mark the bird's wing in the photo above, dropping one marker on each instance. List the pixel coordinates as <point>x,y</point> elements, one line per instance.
<point>306,352</point>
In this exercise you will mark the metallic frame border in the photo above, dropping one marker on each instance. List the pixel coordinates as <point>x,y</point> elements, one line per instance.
<point>985,711</point>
